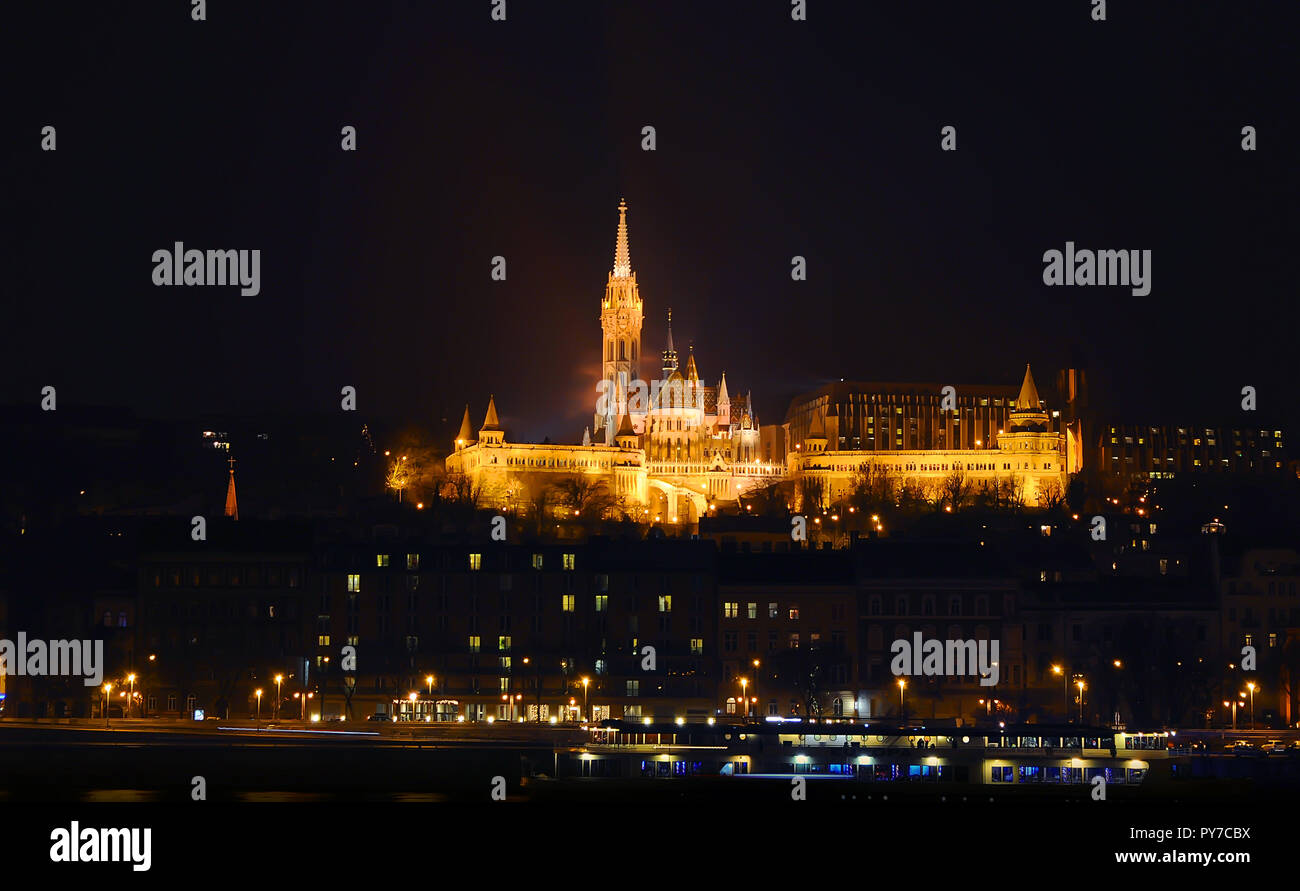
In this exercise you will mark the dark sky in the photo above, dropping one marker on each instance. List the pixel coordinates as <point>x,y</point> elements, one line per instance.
<point>775,138</point>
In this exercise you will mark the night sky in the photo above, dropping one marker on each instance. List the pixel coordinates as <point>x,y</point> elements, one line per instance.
<point>775,138</point>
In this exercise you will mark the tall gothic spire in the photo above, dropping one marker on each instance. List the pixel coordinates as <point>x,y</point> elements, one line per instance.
<point>232,504</point>
<point>622,257</point>
<point>670,354</point>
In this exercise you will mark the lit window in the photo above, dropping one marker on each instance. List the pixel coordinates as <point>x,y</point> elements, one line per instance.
<point>503,642</point>
<point>665,603</point>
<point>730,609</point>
<point>569,561</point>
<point>537,561</point>
<point>567,602</point>
<point>697,646</point>
<point>475,562</point>
<point>475,643</point>
<point>381,560</point>
<point>602,602</point>
<point>412,562</point>
<point>354,582</point>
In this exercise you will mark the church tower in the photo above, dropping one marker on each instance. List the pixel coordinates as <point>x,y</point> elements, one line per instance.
<point>620,325</point>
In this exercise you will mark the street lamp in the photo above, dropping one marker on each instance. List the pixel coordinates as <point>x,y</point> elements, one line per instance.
<point>429,680</point>
<point>413,696</point>
<point>744,695</point>
<point>1250,685</point>
<point>130,679</point>
<point>1082,686</point>
<point>258,694</point>
<point>1059,672</point>
<point>279,679</point>
<point>902,684</point>
<point>108,688</point>
<point>757,707</point>
<point>585,682</point>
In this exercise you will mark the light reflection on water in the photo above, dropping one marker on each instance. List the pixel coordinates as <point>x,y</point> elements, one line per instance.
<point>120,795</point>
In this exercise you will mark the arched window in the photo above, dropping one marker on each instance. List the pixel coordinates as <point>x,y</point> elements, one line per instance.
<point>622,347</point>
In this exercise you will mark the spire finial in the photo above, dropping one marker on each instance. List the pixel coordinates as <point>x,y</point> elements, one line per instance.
<point>622,256</point>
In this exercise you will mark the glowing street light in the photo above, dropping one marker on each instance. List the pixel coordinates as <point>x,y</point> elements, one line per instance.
<point>108,688</point>
<point>131,680</point>
<point>258,694</point>
<point>1250,685</point>
<point>279,679</point>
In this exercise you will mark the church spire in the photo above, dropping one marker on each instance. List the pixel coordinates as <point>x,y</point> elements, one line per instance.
<point>232,504</point>
<point>692,373</point>
<point>670,354</point>
<point>622,256</point>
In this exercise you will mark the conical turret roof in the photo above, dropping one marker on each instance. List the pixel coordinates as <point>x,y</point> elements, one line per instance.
<point>1028,398</point>
<point>491,422</point>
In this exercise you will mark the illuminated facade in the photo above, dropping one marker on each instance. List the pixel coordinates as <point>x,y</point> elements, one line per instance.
<point>663,448</point>
<point>667,448</point>
<point>1010,450</point>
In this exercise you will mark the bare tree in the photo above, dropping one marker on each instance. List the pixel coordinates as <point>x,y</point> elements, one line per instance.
<point>955,490</point>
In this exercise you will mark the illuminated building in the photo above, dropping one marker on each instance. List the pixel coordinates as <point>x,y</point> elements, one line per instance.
<point>841,438</point>
<point>660,448</point>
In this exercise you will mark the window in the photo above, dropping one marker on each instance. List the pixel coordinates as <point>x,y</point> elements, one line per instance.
<point>503,642</point>
<point>730,609</point>
<point>752,610</point>
<point>794,612</point>
<point>475,643</point>
<point>381,560</point>
<point>729,641</point>
<point>475,562</point>
<point>537,561</point>
<point>794,640</point>
<point>665,603</point>
<point>569,561</point>
<point>633,688</point>
<point>322,640</point>
<point>354,582</point>
<point>697,646</point>
<point>567,602</point>
<point>602,603</point>
<point>412,582</point>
